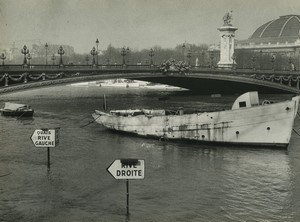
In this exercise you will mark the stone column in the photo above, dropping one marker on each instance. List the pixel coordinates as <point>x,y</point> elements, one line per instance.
<point>227,34</point>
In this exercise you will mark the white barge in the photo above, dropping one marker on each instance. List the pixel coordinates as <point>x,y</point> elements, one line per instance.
<point>248,122</point>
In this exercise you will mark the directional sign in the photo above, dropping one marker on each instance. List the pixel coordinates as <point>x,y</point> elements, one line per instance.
<point>45,137</point>
<point>126,169</point>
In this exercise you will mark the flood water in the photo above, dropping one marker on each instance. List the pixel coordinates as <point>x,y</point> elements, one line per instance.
<point>183,181</point>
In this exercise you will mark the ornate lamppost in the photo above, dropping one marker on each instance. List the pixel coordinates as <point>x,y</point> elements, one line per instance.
<point>29,58</point>
<point>233,57</point>
<point>253,62</point>
<point>60,52</point>
<point>202,54</point>
<point>189,55</point>
<point>87,59</point>
<point>260,59</point>
<point>3,57</point>
<point>93,53</point>
<point>151,54</point>
<point>25,51</point>
<point>211,60</point>
<point>183,51</point>
<point>46,47</point>
<point>127,52</point>
<point>290,64</point>
<point>272,61</point>
<point>123,54</point>
<point>97,44</point>
<point>53,58</point>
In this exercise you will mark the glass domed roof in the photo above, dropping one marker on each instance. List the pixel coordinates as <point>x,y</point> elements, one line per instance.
<point>287,26</point>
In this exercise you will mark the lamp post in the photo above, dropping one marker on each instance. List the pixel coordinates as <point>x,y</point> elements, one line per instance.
<point>272,61</point>
<point>25,51</point>
<point>211,60</point>
<point>53,58</point>
<point>87,59</point>
<point>123,54</point>
<point>97,44</point>
<point>46,47</point>
<point>253,62</point>
<point>151,54</point>
<point>183,50</point>
<point>189,55</point>
<point>202,54</point>
<point>260,59</point>
<point>60,52</point>
<point>290,64</point>
<point>29,58</point>
<point>93,53</point>
<point>127,53</point>
<point>3,57</point>
<point>233,57</point>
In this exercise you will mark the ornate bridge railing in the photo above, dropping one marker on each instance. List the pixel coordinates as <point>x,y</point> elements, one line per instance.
<point>11,75</point>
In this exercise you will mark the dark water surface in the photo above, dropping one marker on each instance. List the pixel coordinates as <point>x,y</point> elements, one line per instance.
<point>183,181</point>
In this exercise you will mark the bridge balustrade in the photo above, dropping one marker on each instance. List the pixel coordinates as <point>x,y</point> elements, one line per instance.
<point>11,75</point>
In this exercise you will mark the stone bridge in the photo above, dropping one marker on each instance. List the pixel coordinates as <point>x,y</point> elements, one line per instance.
<point>203,80</point>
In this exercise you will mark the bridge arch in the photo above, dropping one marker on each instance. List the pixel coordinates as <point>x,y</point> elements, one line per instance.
<point>210,82</point>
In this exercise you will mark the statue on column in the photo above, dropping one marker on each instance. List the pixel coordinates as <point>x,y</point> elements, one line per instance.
<point>227,18</point>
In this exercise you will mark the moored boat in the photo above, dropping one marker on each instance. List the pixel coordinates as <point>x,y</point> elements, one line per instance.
<point>247,122</point>
<point>15,109</point>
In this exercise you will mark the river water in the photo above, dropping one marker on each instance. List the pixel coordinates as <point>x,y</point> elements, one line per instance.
<point>183,181</point>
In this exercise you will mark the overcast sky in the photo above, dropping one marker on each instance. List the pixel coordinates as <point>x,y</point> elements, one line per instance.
<point>135,23</point>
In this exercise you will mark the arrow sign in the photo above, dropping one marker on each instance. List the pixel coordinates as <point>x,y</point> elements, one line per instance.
<point>45,137</point>
<point>126,169</point>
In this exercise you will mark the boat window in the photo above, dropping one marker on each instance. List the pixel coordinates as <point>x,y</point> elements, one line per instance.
<point>242,104</point>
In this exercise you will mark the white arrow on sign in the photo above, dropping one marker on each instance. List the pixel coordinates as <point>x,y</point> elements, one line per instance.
<point>127,169</point>
<point>45,137</point>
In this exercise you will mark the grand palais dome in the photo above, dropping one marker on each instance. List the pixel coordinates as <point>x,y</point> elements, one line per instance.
<point>282,30</point>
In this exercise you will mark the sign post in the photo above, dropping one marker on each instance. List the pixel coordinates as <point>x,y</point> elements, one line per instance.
<point>45,138</point>
<point>127,169</point>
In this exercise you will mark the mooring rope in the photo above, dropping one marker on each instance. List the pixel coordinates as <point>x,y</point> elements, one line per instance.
<point>90,122</point>
<point>296,132</point>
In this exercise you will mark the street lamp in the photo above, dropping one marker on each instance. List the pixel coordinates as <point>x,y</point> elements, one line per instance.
<point>290,64</point>
<point>272,61</point>
<point>29,58</point>
<point>53,58</point>
<point>25,51</point>
<point>93,53</point>
<point>127,52</point>
<point>151,54</point>
<point>97,44</point>
<point>233,57</point>
<point>253,62</point>
<point>211,60</point>
<point>123,54</point>
<point>3,57</point>
<point>183,50</point>
<point>60,52</point>
<point>202,54</point>
<point>87,59</point>
<point>46,47</point>
<point>260,60</point>
<point>189,55</point>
